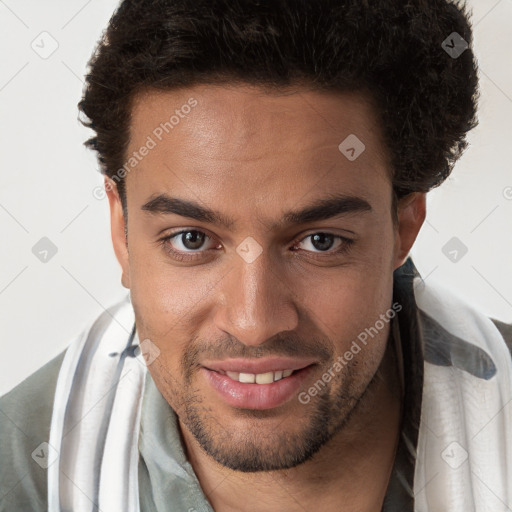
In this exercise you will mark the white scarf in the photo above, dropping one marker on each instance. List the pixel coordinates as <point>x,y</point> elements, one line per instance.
<point>464,451</point>
<point>96,419</point>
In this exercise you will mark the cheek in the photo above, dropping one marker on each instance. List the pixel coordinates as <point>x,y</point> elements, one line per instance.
<point>348,305</point>
<point>170,304</point>
<point>166,296</point>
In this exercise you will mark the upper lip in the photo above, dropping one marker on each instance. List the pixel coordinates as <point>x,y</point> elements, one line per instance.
<point>260,365</point>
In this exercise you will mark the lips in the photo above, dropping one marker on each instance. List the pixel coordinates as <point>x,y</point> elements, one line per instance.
<point>259,378</point>
<point>257,383</point>
<point>256,366</point>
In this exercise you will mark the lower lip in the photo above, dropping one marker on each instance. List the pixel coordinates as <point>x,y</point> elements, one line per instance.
<point>256,396</point>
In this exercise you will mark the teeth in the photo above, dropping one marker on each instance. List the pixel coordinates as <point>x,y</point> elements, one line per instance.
<point>259,378</point>
<point>265,378</point>
<point>249,378</point>
<point>278,375</point>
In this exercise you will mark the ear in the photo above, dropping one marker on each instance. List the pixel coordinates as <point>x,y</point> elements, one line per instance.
<point>117,227</point>
<point>411,215</point>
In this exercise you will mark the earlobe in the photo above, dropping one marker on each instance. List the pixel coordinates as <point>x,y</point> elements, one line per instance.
<point>117,227</point>
<point>411,215</point>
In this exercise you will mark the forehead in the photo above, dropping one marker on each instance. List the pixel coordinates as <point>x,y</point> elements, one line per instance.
<point>240,140</point>
<point>232,114</point>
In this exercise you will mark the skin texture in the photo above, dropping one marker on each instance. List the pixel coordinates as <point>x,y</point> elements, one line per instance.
<point>253,155</point>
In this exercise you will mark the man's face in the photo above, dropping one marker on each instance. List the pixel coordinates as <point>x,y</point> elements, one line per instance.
<point>265,291</point>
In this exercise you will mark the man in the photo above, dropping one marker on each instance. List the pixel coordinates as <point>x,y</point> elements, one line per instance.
<point>266,166</point>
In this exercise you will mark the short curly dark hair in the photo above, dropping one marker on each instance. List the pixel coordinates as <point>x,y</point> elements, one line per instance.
<point>395,49</point>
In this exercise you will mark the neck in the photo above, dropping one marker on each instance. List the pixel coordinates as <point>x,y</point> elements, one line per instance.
<point>351,472</point>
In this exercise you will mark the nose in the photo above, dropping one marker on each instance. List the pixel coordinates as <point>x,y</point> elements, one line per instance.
<point>255,302</point>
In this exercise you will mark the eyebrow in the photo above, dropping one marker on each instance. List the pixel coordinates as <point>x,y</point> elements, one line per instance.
<point>321,209</point>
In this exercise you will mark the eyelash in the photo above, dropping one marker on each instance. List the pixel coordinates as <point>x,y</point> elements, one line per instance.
<point>194,255</point>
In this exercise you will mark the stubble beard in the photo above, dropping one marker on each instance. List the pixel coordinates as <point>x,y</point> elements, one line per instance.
<point>269,449</point>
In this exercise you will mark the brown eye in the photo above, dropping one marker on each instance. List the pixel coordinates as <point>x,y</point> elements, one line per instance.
<point>192,240</point>
<point>188,244</point>
<point>323,242</point>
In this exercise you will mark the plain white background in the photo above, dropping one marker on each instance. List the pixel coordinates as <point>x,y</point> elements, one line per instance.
<point>47,180</point>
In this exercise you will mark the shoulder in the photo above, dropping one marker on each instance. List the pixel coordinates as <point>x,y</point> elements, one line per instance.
<point>25,416</point>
